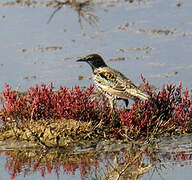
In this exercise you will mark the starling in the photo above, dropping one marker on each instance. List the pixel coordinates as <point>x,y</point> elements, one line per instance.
<point>113,84</point>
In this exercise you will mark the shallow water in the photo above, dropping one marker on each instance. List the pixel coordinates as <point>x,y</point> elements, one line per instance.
<point>152,37</point>
<point>172,160</point>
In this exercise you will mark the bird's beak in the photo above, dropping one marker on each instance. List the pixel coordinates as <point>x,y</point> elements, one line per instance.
<point>81,60</point>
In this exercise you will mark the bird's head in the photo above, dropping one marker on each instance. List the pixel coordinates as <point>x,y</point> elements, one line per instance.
<point>94,60</point>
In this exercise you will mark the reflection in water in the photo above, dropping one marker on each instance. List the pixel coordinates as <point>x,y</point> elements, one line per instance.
<point>126,161</point>
<point>124,164</point>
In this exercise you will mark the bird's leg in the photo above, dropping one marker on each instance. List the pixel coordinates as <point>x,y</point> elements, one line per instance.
<point>112,105</point>
<point>112,102</point>
<point>126,102</point>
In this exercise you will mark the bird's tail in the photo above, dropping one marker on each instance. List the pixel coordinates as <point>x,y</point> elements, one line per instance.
<point>138,94</point>
<point>143,95</point>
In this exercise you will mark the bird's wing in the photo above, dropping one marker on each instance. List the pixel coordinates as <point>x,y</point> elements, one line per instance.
<point>116,83</point>
<point>112,81</point>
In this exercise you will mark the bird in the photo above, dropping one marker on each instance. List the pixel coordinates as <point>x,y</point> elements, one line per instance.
<point>112,83</point>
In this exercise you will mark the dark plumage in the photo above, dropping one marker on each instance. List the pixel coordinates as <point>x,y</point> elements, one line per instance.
<point>113,84</point>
